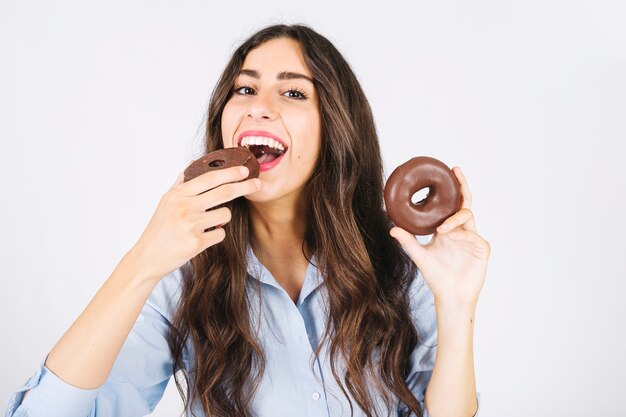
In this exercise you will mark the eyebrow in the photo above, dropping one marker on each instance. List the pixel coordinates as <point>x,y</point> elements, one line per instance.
<point>284,75</point>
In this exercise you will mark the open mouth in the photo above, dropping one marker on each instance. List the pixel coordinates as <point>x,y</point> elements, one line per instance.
<point>264,149</point>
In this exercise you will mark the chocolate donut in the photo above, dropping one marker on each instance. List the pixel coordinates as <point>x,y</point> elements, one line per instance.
<point>442,201</point>
<point>224,158</point>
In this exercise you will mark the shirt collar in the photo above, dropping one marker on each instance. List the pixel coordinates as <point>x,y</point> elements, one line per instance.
<point>256,270</point>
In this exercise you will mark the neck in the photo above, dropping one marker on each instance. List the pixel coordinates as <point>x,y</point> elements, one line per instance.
<point>278,228</point>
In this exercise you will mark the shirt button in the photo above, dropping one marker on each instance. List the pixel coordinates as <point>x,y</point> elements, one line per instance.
<point>316,395</point>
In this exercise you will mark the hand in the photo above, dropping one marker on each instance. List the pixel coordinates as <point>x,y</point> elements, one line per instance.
<point>176,232</point>
<point>454,262</point>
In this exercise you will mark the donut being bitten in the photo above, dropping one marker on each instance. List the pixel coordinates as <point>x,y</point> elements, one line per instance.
<point>221,159</point>
<point>442,201</point>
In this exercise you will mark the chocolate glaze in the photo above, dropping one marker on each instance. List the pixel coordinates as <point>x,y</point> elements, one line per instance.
<point>223,158</point>
<point>443,200</point>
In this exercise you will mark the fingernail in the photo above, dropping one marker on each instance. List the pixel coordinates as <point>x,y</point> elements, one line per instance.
<point>244,170</point>
<point>443,227</point>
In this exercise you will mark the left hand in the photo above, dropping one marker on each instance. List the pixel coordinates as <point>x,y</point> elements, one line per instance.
<point>454,262</point>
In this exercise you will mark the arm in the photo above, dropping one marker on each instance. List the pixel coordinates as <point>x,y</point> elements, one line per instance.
<point>429,364</point>
<point>85,354</point>
<point>137,380</point>
<point>454,264</point>
<point>83,358</point>
<point>453,373</point>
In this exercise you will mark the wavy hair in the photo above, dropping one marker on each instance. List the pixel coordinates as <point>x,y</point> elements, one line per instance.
<point>367,285</point>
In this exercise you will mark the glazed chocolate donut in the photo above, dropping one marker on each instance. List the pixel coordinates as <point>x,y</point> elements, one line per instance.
<point>442,201</point>
<point>224,158</point>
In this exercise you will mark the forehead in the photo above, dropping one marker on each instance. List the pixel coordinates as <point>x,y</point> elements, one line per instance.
<point>276,55</point>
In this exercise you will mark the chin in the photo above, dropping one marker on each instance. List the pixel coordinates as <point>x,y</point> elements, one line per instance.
<point>271,195</point>
<point>259,197</point>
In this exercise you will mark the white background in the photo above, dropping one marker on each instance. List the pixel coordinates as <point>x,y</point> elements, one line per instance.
<point>102,105</point>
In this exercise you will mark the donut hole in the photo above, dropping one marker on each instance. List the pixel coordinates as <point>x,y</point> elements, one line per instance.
<point>420,196</point>
<point>217,163</point>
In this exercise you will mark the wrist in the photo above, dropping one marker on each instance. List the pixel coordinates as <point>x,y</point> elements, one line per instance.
<point>455,327</point>
<point>134,269</point>
<point>456,307</point>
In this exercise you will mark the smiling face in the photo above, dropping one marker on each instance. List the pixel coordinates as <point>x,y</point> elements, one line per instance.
<point>274,110</point>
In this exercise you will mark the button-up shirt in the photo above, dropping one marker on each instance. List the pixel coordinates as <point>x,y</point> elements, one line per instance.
<point>288,334</point>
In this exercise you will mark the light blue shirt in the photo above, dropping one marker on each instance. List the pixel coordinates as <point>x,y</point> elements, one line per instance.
<point>288,334</point>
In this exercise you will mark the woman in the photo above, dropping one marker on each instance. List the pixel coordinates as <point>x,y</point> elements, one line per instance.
<point>293,300</point>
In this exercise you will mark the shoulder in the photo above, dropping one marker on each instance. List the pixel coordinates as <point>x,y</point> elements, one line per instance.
<point>166,295</point>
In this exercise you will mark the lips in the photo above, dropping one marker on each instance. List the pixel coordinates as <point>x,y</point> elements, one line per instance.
<point>268,148</point>
<point>266,166</point>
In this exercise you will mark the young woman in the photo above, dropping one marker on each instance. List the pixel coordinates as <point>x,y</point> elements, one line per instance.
<point>304,300</point>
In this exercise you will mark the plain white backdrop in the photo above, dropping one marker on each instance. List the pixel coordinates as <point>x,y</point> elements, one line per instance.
<point>103,103</point>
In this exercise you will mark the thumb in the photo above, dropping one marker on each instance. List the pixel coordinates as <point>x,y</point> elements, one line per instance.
<point>412,247</point>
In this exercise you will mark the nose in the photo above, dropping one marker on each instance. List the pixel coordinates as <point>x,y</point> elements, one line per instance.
<point>261,108</point>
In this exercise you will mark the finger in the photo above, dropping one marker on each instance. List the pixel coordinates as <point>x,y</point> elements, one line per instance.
<point>212,179</point>
<point>212,237</point>
<point>225,193</point>
<point>212,218</point>
<point>412,247</point>
<point>466,196</point>
<point>470,237</point>
<point>463,217</point>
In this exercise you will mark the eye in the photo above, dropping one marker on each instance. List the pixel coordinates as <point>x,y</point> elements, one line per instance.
<point>243,90</point>
<point>296,93</point>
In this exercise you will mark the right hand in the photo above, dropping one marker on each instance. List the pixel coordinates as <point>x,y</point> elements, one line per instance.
<point>176,232</point>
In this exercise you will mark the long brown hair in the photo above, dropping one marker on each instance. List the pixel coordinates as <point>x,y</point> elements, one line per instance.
<point>366,273</point>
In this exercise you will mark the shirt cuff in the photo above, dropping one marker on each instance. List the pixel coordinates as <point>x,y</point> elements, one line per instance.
<point>51,396</point>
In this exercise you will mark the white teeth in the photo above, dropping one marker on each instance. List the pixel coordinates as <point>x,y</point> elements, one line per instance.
<point>261,140</point>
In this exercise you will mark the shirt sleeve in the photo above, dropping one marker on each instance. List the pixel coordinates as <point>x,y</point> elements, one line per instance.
<point>422,359</point>
<point>137,381</point>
